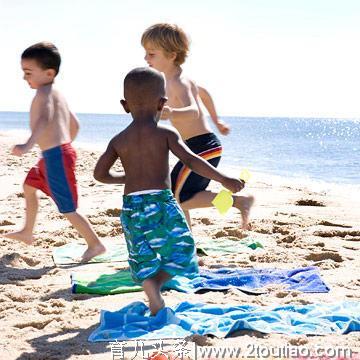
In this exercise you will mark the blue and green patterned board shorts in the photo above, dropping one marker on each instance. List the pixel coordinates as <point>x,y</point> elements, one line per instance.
<point>157,236</point>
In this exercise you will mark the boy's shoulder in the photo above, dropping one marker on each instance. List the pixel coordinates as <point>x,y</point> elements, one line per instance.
<point>46,93</point>
<point>182,82</point>
<point>169,132</point>
<point>182,79</point>
<point>116,138</point>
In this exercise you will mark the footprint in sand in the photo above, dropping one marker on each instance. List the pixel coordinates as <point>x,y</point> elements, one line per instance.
<point>328,223</point>
<point>309,202</point>
<point>112,212</point>
<point>337,233</point>
<point>37,324</point>
<point>281,230</point>
<point>325,256</point>
<point>48,309</point>
<point>227,231</point>
<point>350,238</point>
<point>206,221</point>
<point>6,222</point>
<point>299,340</point>
<point>30,261</point>
<point>16,294</point>
<point>17,260</point>
<point>287,239</point>
<point>97,220</point>
<point>116,230</point>
<point>319,244</point>
<point>351,247</point>
<point>262,230</point>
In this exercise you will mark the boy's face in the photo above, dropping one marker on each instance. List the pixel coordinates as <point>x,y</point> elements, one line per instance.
<point>157,58</point>
<point>35,75</point>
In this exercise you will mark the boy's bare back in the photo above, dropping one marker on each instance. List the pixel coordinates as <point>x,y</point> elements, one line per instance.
<point>144,152</point>
<point>50,108</point>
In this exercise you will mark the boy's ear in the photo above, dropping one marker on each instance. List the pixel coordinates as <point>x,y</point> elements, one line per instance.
<point>172,55</point>
<point>162,102</point>
<point>125,105</point>
<point>51,73</point>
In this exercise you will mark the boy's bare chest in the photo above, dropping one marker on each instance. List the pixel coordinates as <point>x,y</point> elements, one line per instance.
<point>173,99</point>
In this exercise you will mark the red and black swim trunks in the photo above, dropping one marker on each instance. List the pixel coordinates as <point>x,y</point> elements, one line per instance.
<point>185,183</point>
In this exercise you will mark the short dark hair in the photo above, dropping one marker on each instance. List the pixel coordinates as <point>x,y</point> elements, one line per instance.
<point>45,54</point>
<point>144,84</point>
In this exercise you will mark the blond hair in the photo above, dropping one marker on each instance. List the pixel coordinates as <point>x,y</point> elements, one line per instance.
<point>168,37</point>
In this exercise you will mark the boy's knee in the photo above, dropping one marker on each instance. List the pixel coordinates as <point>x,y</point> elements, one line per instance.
<point>71,214</point>
<point>29,190</point>
<point>184,206</point>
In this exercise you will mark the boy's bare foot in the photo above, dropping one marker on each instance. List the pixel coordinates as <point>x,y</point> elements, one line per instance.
<point>244,204</point>
<point>92,252</point>
<point>23,236</point>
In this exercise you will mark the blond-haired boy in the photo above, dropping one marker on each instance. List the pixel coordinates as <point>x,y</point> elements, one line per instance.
<point>166,47</point>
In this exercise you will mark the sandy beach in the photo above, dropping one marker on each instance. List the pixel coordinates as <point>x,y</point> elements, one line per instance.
<point>42,319</point>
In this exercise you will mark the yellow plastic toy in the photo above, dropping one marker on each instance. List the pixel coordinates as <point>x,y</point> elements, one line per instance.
<point>223,201</point>
<point>245,175</point>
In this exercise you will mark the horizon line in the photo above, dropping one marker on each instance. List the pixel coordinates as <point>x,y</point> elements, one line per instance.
<point>223,116</point>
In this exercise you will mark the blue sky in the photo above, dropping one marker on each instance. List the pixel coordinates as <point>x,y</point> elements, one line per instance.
<point>256,57</point>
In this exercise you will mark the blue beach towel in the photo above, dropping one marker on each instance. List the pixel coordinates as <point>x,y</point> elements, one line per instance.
<point>133,321</point>
<point>253,281</point>
<point>306,279</point>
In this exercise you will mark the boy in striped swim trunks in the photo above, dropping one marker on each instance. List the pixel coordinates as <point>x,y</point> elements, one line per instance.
<point>159,241</point>
<point>166,47</point>
<point>53,128</point>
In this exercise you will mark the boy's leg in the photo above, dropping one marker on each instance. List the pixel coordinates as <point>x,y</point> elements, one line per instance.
<point>152,288</point>
<point>82,225</point>
<point>244,204</point>
<point>203,199</point>
<point>31,209</point>
<point>187,216</point>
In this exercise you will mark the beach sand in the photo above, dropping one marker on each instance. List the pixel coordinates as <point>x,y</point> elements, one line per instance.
<point>41,319</point>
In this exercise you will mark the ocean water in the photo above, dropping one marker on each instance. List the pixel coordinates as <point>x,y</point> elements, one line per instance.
<point>303,149</point>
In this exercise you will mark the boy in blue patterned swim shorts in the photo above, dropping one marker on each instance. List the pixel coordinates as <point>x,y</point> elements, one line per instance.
<point>158,238</point>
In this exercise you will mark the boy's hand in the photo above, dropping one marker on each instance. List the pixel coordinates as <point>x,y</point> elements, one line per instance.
<point>166,113</point>
<point>232,184</point>
<point>223,127</point>
<point>20,149</point>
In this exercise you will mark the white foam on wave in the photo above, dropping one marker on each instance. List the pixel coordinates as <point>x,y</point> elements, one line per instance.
<point>302,182</point>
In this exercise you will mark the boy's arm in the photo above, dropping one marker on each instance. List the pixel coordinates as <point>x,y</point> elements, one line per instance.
<point>189,109</point>
<point>44,104</point>
<point>74,126</point>
<point>103,166</point>
<point>210,107</point>
<point>199,165</point>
